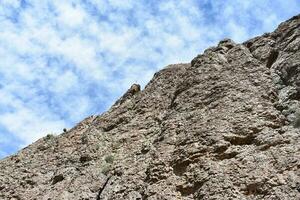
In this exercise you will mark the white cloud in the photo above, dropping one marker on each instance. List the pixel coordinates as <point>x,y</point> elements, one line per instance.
<point>121,4</point>
<point>14,3</point>
<point>64,82</point>
<point>237,32</point>
<point>70,15</point>
<point>19,121</point>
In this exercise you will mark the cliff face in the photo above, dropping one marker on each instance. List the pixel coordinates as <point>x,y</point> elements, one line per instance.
<point>225,126</point>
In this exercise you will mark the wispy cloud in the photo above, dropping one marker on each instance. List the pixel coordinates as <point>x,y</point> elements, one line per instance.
<point>64,60</point>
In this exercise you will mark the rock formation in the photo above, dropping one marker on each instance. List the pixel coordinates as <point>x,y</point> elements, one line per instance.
<point>225,126</point>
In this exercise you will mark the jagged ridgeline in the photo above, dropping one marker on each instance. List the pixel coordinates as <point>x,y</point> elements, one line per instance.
<point>225,126</point>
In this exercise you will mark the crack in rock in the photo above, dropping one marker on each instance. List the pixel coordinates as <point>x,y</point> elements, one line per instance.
<point>102,188</point>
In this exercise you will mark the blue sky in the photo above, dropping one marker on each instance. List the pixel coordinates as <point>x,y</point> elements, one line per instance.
<point>62,61</point>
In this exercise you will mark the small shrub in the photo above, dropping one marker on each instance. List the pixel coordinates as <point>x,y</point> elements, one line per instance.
<point>109,159</point>
<point>297,121</point>
<point>106,169</point>
<point>49,136</point>
<point>84,139</point>
<point>97,147</point>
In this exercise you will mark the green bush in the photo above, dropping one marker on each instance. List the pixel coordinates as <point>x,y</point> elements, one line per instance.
<point>49,136</point>
<point>84,139</point>
<point>109,159</point>
<point>297,121</point>
<point>106,168</point>
<point>97,147</point>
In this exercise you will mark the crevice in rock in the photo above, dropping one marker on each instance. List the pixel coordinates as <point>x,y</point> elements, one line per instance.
<point>240,140</point>
<point>248,45</point>
<point>85,158</point>
<point>255,189</point>
<point>102,188</point>
<point>114,124</point>
<point>272,58</point>
<point>224,156</point>
<point>57,178</point>
<point>180,167</point>
<point>221,149</point>
<point>187,84</point>
<point>175,95</point>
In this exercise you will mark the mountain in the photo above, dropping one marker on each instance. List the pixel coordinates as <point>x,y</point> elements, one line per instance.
<point>225,126</point>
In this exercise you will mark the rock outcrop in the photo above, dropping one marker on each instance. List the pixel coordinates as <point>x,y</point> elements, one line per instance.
<point>225,126</point>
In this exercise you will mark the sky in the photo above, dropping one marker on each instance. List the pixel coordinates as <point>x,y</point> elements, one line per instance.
<point>61,61</point>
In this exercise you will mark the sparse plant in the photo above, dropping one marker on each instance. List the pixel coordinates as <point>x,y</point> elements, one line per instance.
<point>297,120</point>
<point>49,136</point>
<point>109,159</point>
<point>84,139</point>
<point>106,169</point>
<point>97,147</point>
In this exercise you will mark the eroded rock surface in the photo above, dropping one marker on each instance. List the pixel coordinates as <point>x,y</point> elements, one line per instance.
<point>225,126</point>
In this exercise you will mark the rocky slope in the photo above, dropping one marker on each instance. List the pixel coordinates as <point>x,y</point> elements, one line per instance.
<point>225,126</point>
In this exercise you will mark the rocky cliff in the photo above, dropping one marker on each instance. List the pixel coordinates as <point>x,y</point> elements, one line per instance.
<point>225,126</point>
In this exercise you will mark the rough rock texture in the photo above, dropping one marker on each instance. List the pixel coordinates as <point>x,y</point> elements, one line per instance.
<point>225,126</point>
